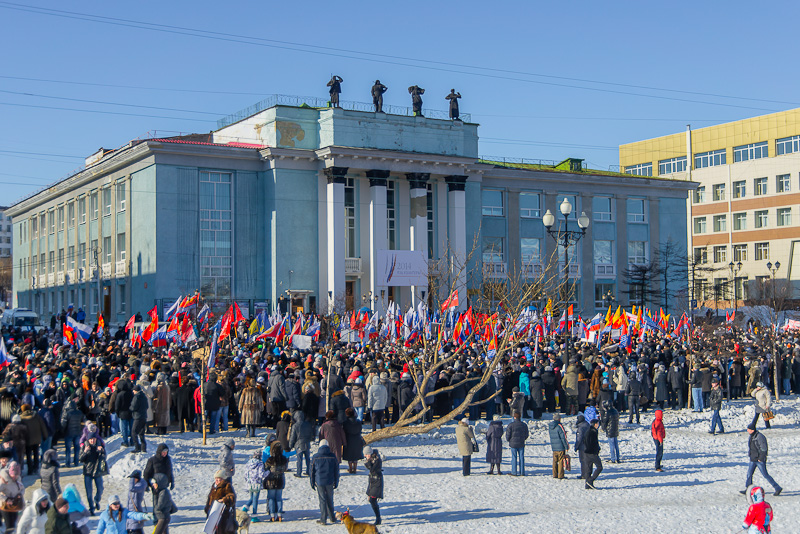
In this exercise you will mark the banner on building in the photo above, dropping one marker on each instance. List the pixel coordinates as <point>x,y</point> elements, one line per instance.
<point>401,268</point>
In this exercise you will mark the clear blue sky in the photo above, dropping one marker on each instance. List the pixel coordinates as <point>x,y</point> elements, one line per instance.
<point>517,65</point>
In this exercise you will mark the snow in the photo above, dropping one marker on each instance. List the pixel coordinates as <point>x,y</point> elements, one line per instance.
<point>425,491</point>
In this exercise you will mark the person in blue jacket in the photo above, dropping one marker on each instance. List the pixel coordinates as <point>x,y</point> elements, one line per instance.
<point>113,520</point>
<point>324,478</point>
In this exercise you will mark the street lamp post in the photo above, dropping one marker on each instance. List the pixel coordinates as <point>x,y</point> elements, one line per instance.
<point>566,238</point>
<point>735,268</point>
<point>773,269</point>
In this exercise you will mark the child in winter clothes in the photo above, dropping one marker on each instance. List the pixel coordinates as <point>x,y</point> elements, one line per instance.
<point>658,433</point>
<point>136,488</point>
<point>759,515</point>
<point>254,476</point>
<point>78,514</point>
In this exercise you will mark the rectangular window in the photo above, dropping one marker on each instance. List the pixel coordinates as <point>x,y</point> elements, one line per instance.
<point>636,212</point>
<point>699,225</point>
<point>107,201</point>
<point>739,253</point>
<point>760,186</point>
<point>710,159</point>
<point>51,262</point>
<point>762,251</point>
<point>61,219</point>
<point>784,216</point>
<point>603,252</point>
<point>719,192</point>
<point>787,145</point>
<point>603,294</point>
<point>71,257</point>
<point>740,221</point>
<point>739,189</point>
<point>529,205</point>
<point>34,227</point>
<point>120,196</point>
<point>107,250</point>
<point>51,221</point>
<point>601,208</point>
<point>700,255</point>
<point>121,299</point>
<point>492,249</point>
<point>672,165</point>
<point>350,218</point>
<point>642,169</point>
<point>782,183</point>
<point>720,254</point>
<point>637,252</point>
<point>216,234</point>
<point>700,195</point>
<point>762,218</point>
<point>720,223</point>
<point>120,247</point>
<point>82,210</point>
<point>94,206</point>
<point>431,222</point>
<point>492,202</point>
<point>391,215</point>
<point>81,256</point>
<point>529,246</point>
<point>71,215</point>
<point>60,260</point>
<point>748,152</point>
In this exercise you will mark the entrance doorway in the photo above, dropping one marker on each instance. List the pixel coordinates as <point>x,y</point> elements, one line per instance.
<point>349,292</point>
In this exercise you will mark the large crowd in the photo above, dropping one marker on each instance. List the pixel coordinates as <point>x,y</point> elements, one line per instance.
<point>59,403</point>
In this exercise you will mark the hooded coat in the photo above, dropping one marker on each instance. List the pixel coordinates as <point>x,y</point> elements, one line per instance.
<point>333,432</point>
<point>136,489</point>
<point>33,519</point>
<point>657,429</point>
<point>159,464</point>
<point>301,434</point>
<point>49,473</point>
<point>494,443</point>
<point>226,462</point>
<point>163,506</point>
<point>354,443</point>
<point>375,485</point>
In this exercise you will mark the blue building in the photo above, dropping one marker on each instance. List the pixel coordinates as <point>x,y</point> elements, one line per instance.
<point>294,206</point>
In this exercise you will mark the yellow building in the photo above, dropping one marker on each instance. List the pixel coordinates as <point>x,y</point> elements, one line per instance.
<point>744,217</point>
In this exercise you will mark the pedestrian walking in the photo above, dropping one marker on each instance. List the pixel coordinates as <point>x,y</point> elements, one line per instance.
<point>757,449</point>
<point>95,467</point>
<point>300,437</point>
<point>226,463</point>
<point>222,492</point>
<point>50,475</point>
<point>374,465</point>
<point>610,423</point>
<point>254,476</point>
<point>136,488</point>
<point>277,464</point>
<point>715,402</point>
<point>591,452</point>
<point>115,517</point>
<point>163,505</point>
<point>160,462</point>
<point>139,407</point>
<point>324,478</point>
<point>763,404</point>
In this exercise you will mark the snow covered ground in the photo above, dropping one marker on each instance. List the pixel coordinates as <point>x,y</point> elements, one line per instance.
<point>425,491</point>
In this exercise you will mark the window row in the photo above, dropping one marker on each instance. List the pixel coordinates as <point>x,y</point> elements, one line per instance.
<point>493,205</point>
<point>783,217</point>
<point>44,224</point>
<point>720,253</point>
<point>783,184</point>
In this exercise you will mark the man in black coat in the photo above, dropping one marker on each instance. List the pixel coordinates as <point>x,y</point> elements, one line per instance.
<point>591,452</point>
<point>292,387</point>
<point>581,427</point>
<point>139,413</point>
<point>160,462</point>
<point>516,434</point>
<point>757,449</point>
<point>213,393</point>
<point>122,397</point>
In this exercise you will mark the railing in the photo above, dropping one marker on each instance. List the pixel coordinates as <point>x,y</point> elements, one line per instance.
<point>574,269</point>
<point>494,269</point>
<point>121,268</point>
<point>60,277</point>
<point>69,276</point>
<point>51,279</point>
<point>517,161</point>
<point>316,102</point>
<point>352,266</point>
<point>106,270</point>
<point>532,269</point>
<point>605,270</point>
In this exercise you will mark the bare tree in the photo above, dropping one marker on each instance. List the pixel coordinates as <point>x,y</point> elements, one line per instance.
<point>641,280</point>
<point>6,277</point>
<point>671,261</point>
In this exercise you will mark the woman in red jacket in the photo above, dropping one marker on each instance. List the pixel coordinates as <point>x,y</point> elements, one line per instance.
<point>658,433</point>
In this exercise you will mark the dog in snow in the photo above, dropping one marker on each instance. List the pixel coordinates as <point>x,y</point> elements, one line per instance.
<point>353,526</point>
<point>243,518</point>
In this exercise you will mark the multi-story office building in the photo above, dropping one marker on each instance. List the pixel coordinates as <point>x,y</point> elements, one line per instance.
<point>745,212</point>
<point>293,205</point>
<point>6,235</point>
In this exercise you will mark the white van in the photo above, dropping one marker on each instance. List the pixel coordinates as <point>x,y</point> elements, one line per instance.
<point>21,318</point>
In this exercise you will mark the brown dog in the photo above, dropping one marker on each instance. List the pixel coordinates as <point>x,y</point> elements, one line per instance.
<point>353,526</point>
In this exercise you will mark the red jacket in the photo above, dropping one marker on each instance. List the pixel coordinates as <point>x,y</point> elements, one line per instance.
<point>760,515</point>
<point>657,429</point>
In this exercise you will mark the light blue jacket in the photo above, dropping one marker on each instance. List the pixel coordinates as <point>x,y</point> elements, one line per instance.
<point>110,525</point>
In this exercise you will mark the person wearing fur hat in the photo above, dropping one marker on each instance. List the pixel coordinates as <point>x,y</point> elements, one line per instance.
<point>465,439</point>
<point>222,492</point>
<point>162,404</point>
<point>93,458</point>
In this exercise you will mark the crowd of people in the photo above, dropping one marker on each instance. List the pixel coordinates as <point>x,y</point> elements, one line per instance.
<point>54,393</point>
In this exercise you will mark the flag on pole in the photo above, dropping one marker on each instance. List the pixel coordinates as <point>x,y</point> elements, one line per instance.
<point>131,322</point>
<point>101,323</point>
<point>5,361</point>
<point>451,301</point>
<point>173,309</point>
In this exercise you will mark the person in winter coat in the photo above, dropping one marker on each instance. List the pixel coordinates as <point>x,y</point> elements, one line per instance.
<point>93,458</point>
<point>294,397</point>
<point>715,402</point>
<point>58,518</point>
<point>277,464</point>
<point>254,476</point>
<point>517,401</point>
<point>163,505</point>
<point>659,433</point>
<point>123,395</point>
<point>139,408</point>
<point>763,402</point>
<point>633,392</point>
<point>374,465</point>
<point>660,381</point>
<point>332,432</point>
<point>570,386</point>
<point>114,519</point>
<point>558,444</point>
<point>354,443</point>
<point>324,478</point>
<point>377,401</point>
<point>591,452</point>
<point>759,515</point>
<point>581,426</point>
<point>465,438</point>
<point>339,403</point>
<point>610,424</point>
<point>494,444</point>
<point>160,462</point>
<point>516,434</point>
<point>12,495</point>
<point>34,518</point>
<point>78,514</point>
<point>300,437</point>
<point>226,463</point>
<point>17,433</point>
<point>222,492</point>
<point>537,398</point>
<point>251,405</point>
<point>37,432</point>
<point>49,473</point>
<point>276,391</point>
<point>757,449</point>
<point>162,404</point>
<point>213,393</point>
<point>282,429</point>
<point>136,488</point>
<point>310,392</point>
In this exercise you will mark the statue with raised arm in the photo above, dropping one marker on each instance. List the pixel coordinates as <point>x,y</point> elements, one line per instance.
<point>335,89</point>
<point>453,98</point>
<point>416,93</point>
<point>377,95</point>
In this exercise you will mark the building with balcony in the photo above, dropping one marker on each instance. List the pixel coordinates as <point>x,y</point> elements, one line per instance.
<point>745,212</point>
<point>291,202</point>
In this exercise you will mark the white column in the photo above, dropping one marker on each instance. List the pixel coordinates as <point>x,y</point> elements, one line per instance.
<point>334,206</point>
<point>457,235</point>
<point>377,233</point>
<point>418,194</point>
